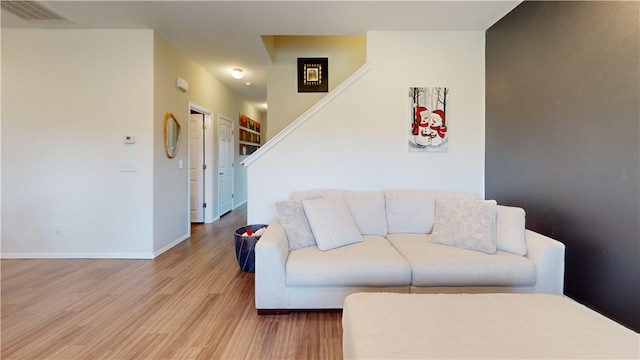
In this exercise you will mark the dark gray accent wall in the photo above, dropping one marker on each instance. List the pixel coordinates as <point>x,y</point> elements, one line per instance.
<point>563,139</point>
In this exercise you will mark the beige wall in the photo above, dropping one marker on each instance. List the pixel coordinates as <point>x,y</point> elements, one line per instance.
<point>171,182</point>
<point>345,53</point>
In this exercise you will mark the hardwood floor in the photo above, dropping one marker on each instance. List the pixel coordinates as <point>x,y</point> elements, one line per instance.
<point>192,302</point>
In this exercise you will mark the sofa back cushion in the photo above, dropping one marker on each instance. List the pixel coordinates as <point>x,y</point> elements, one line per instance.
<point>367,207</point>
<point>316,194</point>
<point>511,229</point>
<point>411,211</point>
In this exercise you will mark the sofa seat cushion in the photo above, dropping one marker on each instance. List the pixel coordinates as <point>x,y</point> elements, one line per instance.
<point>442,265</point>
<point>372,262</point>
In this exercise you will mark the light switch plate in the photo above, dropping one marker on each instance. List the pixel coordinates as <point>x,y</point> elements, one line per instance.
<point>127,166</point>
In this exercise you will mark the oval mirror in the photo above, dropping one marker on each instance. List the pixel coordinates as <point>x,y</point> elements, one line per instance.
<point>171,135</point>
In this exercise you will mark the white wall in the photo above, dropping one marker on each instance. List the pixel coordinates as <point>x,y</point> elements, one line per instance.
<point>68,98</point>
<point>359,140</point>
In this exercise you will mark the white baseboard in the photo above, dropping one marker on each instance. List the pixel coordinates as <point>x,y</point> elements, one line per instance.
<point>212,220</point>
<point>178,241</point>
<point>139,256</point>
<point>76,256</point>
<point>238,205</point>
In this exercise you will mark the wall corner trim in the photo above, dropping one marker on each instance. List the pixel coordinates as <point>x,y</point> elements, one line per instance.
<point>174,243</point>
<point>308,114</point>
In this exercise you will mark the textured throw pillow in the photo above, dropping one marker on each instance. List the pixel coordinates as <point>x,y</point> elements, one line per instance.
<point>294,221</point>
<point>511,225</point>
<point>331,222</point>
<point>468,224</point>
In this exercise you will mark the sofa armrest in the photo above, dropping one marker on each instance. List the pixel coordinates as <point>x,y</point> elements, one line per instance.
<point>548,256</point>
<point>271,251</point>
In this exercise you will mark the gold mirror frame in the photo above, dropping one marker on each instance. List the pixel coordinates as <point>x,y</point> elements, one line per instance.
<point>172,135</point>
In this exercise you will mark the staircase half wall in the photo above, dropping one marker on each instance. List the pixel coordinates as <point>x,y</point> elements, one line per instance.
<point>357,136</point>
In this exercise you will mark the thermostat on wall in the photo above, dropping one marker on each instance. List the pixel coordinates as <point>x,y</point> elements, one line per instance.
<point>129,139</point>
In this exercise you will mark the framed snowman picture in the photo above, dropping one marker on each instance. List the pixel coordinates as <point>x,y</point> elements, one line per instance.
<point>428,121</point>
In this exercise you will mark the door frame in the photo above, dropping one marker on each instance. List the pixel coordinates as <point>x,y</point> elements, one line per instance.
<point>210,161</point>
<point>196,166</point>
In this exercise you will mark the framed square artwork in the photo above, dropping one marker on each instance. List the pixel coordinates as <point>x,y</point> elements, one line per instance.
<point>313,74</point>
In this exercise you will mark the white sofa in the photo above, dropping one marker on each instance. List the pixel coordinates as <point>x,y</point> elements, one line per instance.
<point>407,241</point>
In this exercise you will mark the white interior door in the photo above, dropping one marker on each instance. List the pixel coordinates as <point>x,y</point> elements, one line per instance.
<point>196,167</point>
<point>225,166</point>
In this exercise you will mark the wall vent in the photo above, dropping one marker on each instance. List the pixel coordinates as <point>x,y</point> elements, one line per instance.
<point>33,11</point>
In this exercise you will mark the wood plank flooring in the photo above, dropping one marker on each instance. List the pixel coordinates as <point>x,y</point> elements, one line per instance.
<point>192,302</point>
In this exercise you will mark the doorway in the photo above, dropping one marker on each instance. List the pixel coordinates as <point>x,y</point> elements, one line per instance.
<point>200,157</point>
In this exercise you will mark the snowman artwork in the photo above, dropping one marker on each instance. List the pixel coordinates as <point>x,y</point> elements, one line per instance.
<point>428,123</point>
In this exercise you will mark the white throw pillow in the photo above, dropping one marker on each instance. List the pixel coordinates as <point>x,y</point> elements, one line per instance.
<point>331,221</point>
<point>511,226</point>
<point>294,221</point>
<point>468,224</point>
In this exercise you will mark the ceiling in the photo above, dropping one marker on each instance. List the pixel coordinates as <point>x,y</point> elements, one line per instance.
<point>222,35</point>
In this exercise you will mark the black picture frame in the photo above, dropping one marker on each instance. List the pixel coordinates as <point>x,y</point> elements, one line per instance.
<point>313,74</point>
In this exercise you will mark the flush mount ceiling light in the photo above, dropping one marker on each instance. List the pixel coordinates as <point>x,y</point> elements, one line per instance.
<point>237,73</point>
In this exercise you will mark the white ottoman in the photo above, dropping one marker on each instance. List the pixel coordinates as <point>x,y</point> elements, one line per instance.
<point>480,326</point>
